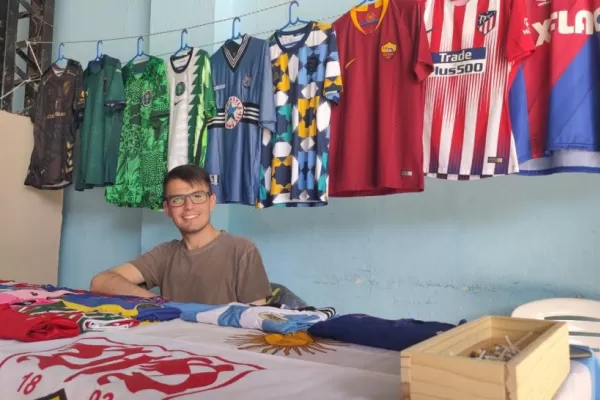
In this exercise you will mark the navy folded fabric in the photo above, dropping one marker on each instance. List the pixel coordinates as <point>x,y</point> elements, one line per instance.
<point>377,332</point>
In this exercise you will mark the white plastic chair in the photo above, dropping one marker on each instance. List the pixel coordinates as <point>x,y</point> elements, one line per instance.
<point>581,315</point>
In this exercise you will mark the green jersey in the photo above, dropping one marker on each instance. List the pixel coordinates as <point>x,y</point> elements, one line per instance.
<point>142,163</point>
<point>97,150</point>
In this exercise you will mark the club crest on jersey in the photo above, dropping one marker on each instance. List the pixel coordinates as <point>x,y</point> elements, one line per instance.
<point>486,21</point>
<point>234,111</point>
<point>147,98</point>
<point>180,88</point>
<point>247,82</point>
<point>388,50</point>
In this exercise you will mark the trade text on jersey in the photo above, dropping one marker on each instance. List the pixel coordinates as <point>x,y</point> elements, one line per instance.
<point>465,61</point>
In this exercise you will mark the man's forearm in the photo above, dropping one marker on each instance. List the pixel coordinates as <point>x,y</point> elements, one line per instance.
<point>114,284</point>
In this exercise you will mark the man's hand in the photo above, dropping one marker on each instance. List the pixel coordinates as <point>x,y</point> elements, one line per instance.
<point>122,280</point>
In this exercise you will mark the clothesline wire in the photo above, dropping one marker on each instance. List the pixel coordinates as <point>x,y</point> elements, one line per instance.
<point>30,43</point>
<point>249,34</point>
<point>261,10</point>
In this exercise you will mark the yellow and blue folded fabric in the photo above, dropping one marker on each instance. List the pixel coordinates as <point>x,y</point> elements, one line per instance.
<point>142,309</point>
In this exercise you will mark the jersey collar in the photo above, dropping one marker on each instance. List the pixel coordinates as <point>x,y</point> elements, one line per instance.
<point>239,50</point>
<point>355,10</point>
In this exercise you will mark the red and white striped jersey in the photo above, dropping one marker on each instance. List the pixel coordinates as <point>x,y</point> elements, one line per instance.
<point>475,45</point>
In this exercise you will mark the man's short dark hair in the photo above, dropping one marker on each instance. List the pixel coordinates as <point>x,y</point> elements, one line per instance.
<point>188,173</point>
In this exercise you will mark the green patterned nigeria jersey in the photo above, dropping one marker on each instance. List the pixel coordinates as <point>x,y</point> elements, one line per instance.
<point>192,105</point>
<point>142,163</point>
<point>307,81</point>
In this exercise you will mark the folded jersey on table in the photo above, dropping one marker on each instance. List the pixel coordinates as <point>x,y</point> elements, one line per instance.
<point>87,321</point>
<point>377,332</point>
<point>133,307</point>
<point>29,328</point>
<point>33,294</point>
<point>265,318</point>
<point>8,298</point>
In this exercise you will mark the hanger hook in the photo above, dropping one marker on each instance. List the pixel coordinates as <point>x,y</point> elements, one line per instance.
<point>297,5</point>
<point>184,32</point>
<point>98,52</point>
<point>139,41</point>
<point>236,19</point>
<point>61,46</point>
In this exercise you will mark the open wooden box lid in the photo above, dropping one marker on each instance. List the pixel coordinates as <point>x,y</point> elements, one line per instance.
<point>442,367</point>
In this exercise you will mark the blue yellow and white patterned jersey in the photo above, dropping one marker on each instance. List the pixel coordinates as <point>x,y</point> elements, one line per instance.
<point>243,87</point>
<point>307,79</point>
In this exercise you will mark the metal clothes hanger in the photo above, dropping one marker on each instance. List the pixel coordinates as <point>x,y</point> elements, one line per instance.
<point>140,51</point>
<point>183,46</point>
<point>291,22</point>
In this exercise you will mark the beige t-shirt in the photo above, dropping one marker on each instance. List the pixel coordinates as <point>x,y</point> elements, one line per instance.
<point>228,269</point>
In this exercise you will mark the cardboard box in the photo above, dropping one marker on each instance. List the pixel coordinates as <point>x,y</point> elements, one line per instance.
<point>442,367</point>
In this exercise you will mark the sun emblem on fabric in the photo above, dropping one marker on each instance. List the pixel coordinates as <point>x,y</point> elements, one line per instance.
<point>234,111</point>
<point>273,317</point>
<point>300,343</point>
<point>388,50</point>
<point>180,88</point>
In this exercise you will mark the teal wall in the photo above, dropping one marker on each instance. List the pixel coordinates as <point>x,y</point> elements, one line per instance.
<point>458,250</point>
<point>96,235</point>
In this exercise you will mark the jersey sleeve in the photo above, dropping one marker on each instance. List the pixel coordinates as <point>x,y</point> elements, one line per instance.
<point>422,61</point>
<point>161,100</point>
<point>79,96</point>
<point>519,43</point>
<point>268,116</point>
<point>210,103</point>
<point>115,93</point>
<point>333,85</point>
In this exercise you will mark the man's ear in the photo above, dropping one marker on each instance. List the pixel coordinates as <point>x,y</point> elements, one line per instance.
<point>213,201</point>
<point>166,208</point>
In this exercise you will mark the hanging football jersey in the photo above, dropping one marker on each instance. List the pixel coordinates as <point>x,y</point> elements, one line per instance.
<point>306,73</point>
<point>475,45</point>
<point>142,163</point>
<point>192,104</point>
<point>243,83</point>
<point>56,116</point>
<point>97,149</point>
<point>554,99</point>
<point>376,130</point>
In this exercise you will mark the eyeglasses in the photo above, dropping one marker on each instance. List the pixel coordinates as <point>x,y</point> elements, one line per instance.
<point>196,198</point>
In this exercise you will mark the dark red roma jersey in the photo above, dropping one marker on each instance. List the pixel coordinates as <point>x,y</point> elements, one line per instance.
<point>376,145</point>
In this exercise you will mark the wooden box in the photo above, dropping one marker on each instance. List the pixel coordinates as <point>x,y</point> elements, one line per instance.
<point>441,367</point>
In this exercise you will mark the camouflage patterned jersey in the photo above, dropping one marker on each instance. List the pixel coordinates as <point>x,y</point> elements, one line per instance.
<point>142,162</point>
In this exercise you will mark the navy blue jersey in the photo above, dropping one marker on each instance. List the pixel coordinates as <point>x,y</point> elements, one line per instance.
<point>243,84</point>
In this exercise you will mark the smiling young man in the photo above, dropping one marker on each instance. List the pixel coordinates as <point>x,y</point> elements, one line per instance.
<point>206,266</point>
